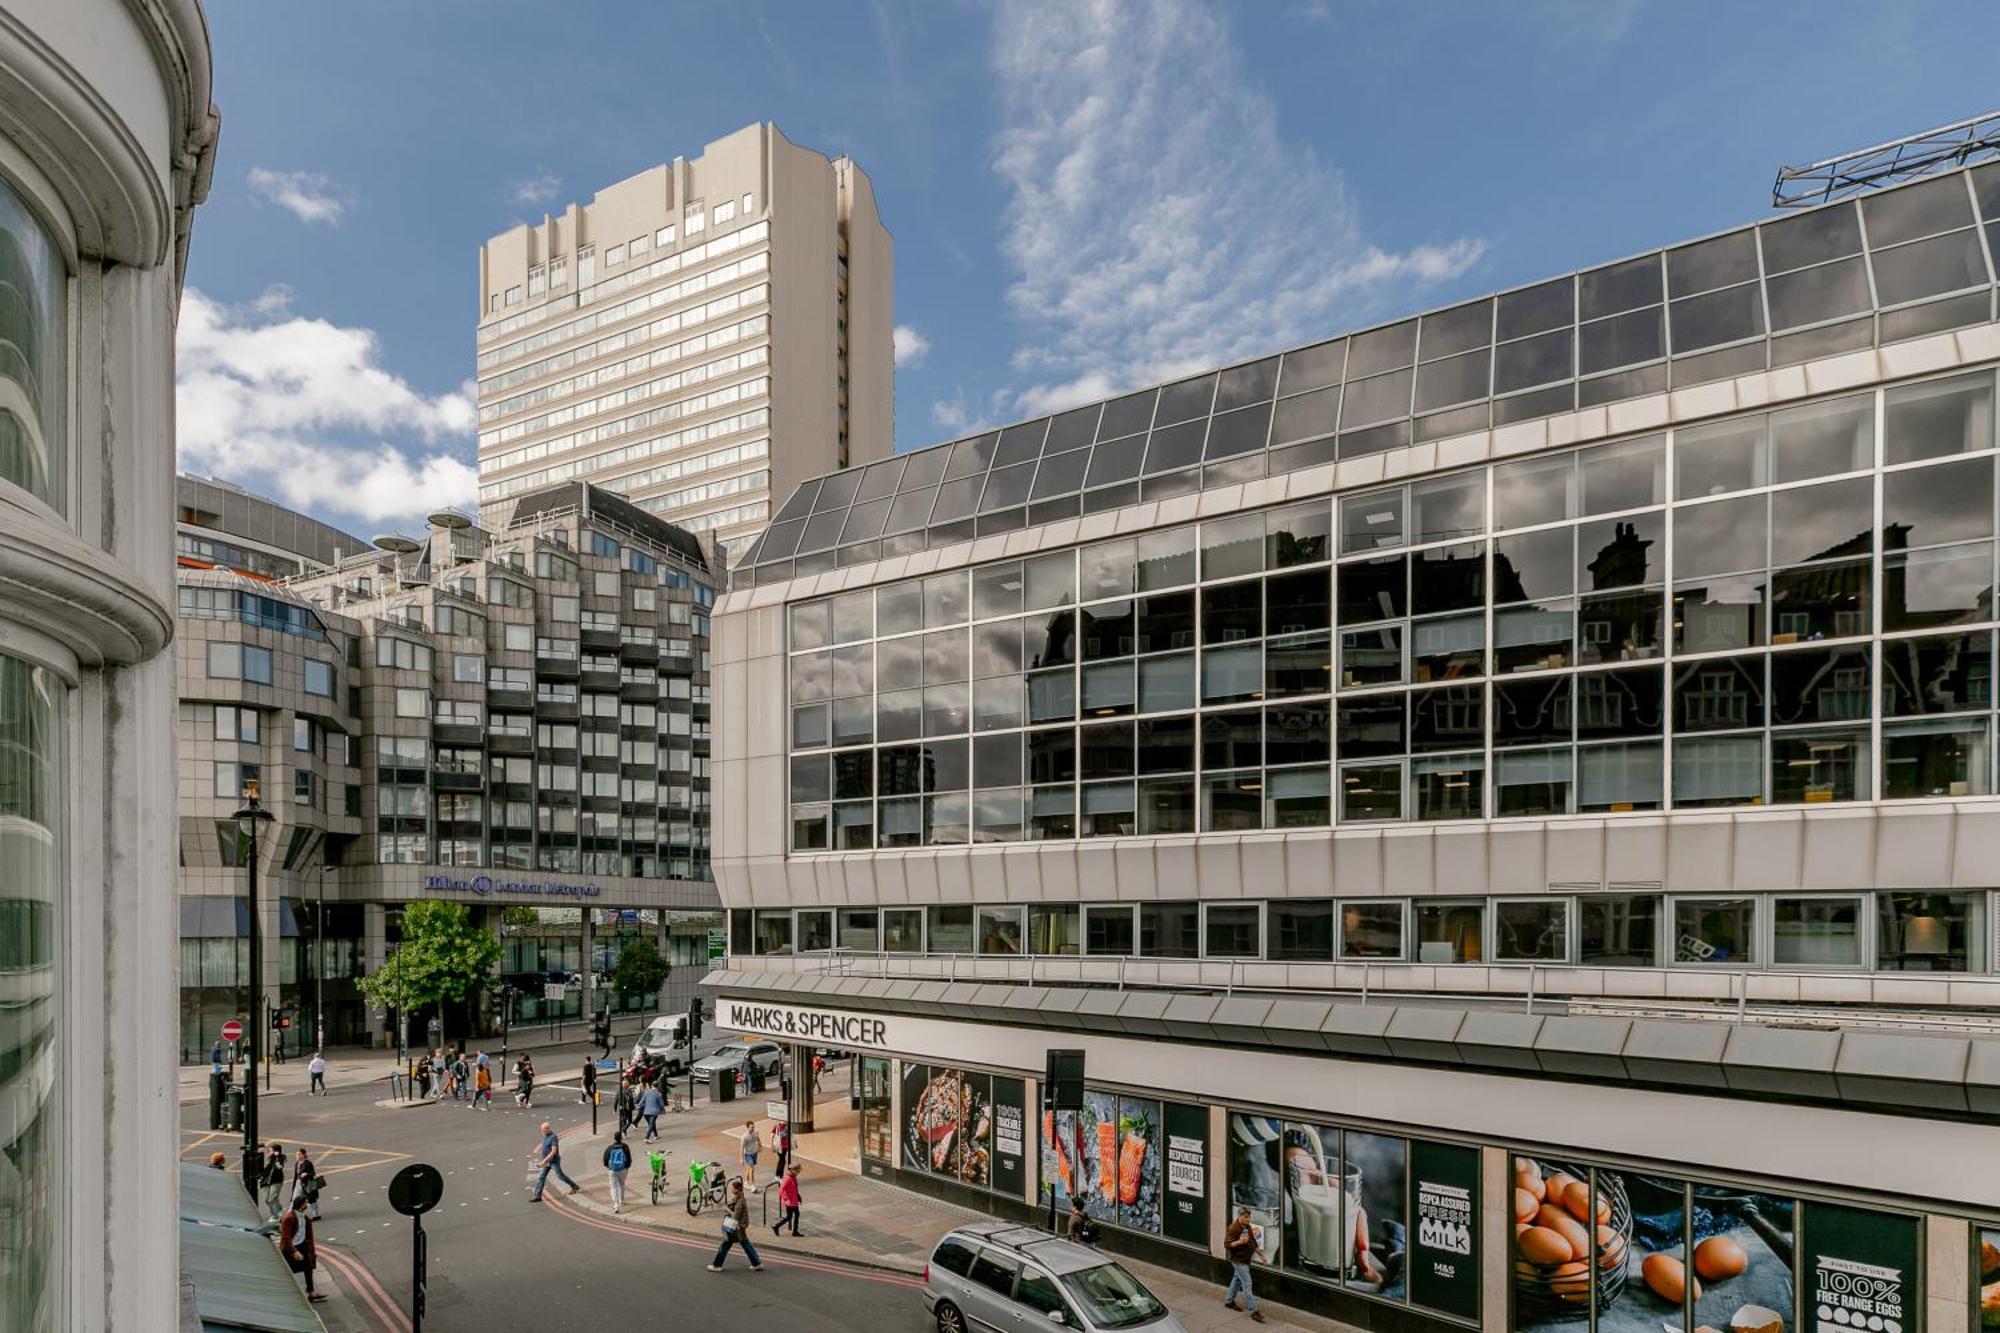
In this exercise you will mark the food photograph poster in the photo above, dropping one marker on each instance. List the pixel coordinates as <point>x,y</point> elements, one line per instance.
<point>1108,1154</point>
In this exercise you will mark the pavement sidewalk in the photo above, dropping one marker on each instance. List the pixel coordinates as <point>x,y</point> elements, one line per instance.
<point>844,1217</point>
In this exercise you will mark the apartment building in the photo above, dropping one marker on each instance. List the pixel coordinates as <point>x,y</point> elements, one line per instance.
<point>697,338</point>
<point>218,524</point>
<point>514,718</point>
<point>1506,796</point>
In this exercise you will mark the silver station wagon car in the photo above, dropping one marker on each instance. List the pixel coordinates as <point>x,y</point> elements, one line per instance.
<point>1000,1277</point>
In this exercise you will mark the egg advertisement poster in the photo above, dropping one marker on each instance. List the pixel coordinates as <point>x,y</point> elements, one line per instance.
<point>1653,1252</point>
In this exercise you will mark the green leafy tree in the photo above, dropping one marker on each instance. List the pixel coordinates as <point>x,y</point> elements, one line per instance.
<point>444,956</point>
<point>639,971</point>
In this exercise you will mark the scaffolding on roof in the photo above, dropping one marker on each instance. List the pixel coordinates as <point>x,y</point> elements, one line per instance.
<point>1849,174</point>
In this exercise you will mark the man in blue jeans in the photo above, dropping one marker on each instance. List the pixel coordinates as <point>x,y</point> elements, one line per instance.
<point>548,1156</point>
<point>736,1229</point>
<point>1239,1242</point>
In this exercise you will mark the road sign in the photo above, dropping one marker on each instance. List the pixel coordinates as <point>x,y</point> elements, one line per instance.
<point>552,990</point>
<point>416,1189</point>
<point>607,1066</point>
<point>232,1030</point>
<point>777,1111</point>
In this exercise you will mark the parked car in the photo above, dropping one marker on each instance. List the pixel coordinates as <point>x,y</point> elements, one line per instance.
<point>991,1277</point>
<point>765,1055</point>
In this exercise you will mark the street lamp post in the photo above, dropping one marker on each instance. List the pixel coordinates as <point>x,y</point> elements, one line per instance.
<point>319,962</point>
<point>249,817</point>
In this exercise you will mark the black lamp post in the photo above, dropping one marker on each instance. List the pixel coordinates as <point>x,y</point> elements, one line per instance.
<point>249,817</point>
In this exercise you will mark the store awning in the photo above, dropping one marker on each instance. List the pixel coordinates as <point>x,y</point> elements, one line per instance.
<point>227,1257</point>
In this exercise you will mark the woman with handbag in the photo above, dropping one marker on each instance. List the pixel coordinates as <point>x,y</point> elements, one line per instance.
<point>736,1229</point>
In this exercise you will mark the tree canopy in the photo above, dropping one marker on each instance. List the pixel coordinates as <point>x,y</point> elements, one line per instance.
<point>640,970</point>
<point>444,956</point>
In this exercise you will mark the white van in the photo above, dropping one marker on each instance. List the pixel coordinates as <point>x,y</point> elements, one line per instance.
<point>665,1038</point>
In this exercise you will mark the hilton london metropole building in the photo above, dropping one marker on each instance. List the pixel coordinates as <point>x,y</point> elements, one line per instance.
<point>1507,796</point>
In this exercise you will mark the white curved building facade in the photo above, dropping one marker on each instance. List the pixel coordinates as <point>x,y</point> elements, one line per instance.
<point>106,142</point>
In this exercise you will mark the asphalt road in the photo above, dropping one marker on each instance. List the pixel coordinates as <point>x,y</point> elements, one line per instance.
<point>500,1262</point>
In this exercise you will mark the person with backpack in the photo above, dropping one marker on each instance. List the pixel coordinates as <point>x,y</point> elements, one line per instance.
<point>1081,1229</point>
<point>736,1229</point>
<point>618,1160</point>
<point>524,1081</point>
<point>295,1243</point>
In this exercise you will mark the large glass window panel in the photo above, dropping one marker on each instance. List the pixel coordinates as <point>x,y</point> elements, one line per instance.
<point>1923,209</point>
<point>1447,786</point>
<point>1448,508</point>
<point>1448,578</point>
<point>1372,656</point>
<point>1110,931</point>
<point>1532,782</point>
<point>1816,932</point>
<point>1298,798</point>
<point>947,820</point>
<point>1450,932</point>
<point>1370,590</point>
<point>899,715</point>
<point>1167,682</point>
<point>1299,930</point>
<point>812,677</point>
<point>947,765</point>
<point>1231,675</point>
<point>1055,929</point>
<point>945,657</point>
<point>809,726</point>
<point>1052,813</point>
<point>853,775</point>
<point>1166,559</point>
<point>1531,930</point>
<point>1166,621</point>
<point>1232,739</point>
<point>1108,689</point>
<point>1297,734</point>
<point>1719,614</point>
<point>1108,631</point>
<point>1166,744</point>
<point>1050,640</point>
<point>1821,439</point>
<point>1819,766</point>
<point>999,930</point>
<point>1232,802</point>
<point>1534,566</point>
<point>1924,759</point>
<point>1170,930</point>
<point>1052,755</point>
<point>1313,367</point>
<point>853,671</point>
<point>1621,552</point>
<point>1298,602</point>
<point>1931,932</point>
<point>1718,771</point>
<point>1826,601</point>
<point>1951,585</point>
<point>1542,359</point>
<point>1619,627</point>
<point>1615,704</point>
<point>1536,711</point>
<point>1721,537</point>
<point>1372,521</point>
<point>1820,685</point>
<point>1297,536</point>
<point>1950,673</point>
<point>1371,792</point>
<point>1716,459</point>
<point>1448,717</point>
<point>1947,502</point>
<point>1715,930</point>
<point>1534,491</point>
<point>1927,268</point>
<point>1622,340</point>
<point>1108,569</point>
<point>1106,750</point>
<point>1719,694</point>
<point>1297,665</point>
<point>1613,779</point>
<point>1535,309</point>
<point>1825,293</point>
<point>1231,930</point>
<point>947,709</point>
<point>1450,648</point>
<point>1134,412</point>
<point>1232,612</point>
<point>1938,418</point>
<point>1370,726</point>
<point>812,625</point>
<point>812,779</point>
<point>1371,929</point>
<point>998,703</point>
<point>1051,695</point>
<point>1618,931</point>
<point>1533,637</point>
<point>1172,447</point>
<point>996,761</point>
<point>899,663</point>
<point>1718,317</point>
<point>1630,474</point>
<point>900,823</point>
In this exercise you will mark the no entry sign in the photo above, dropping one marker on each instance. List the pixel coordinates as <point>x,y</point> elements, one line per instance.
<point>232,1030</point>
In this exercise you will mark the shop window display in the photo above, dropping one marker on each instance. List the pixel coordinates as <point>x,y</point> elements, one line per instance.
<point>1109,1155</point>
<point>1986,1263</point>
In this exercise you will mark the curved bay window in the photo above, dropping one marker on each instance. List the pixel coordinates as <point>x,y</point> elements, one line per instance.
<point>31,892</point>
<point>34,454</point>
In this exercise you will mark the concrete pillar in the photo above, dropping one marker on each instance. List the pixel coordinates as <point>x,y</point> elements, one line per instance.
<point>374,951</point>
<point>589,1007</point>
<point>800,1103</point>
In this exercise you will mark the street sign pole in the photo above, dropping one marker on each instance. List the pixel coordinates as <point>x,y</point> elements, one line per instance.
<point>416,1190</point>
<point>419,1275</point>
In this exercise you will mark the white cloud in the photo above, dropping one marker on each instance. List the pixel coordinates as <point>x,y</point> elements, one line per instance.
<point>539,190</point>
<point>298,408</point>
<point>306,195</point>
<point>1160,220</point>
<point>911,347</point>
<point>952,415</point>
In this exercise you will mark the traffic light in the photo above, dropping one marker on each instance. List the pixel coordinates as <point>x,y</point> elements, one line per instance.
<point>694,1017</point>
<point>280,1020</point>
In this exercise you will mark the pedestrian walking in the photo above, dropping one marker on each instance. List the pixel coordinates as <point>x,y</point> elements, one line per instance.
<point>215,1058</point>
<point>1081,1229</point>
<point>751,1147</point>
<point>788,1201</point>
<point>617,1160</point>
<point>736,1229</point>
<point>588,1092</point>
<point>317,1068</point>
<point>295,1243</point>
<point>524,1081</point>
<point>650,1106</point>
<point>271,1178</point>
<point>781,1141</point>
<point>548,1156</point>
<point>306,1184</point>
<point>627,1106</point>
<point>1240,1244</point>
<point>482,1094</point>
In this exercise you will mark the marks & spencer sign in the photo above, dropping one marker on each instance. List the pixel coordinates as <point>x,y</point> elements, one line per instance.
<point>823,1027</point>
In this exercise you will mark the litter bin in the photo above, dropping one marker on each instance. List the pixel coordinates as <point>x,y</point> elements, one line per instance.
<point>216,1081</point>
<point>232,1107</point>
<point>722,1085</point>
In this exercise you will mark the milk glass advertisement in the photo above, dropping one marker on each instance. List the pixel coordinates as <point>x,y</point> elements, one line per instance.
<point>1326,1205</point>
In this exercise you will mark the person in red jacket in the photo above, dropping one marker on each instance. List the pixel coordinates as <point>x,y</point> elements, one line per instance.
<point>788,1199</point>
<point>295,1243</point>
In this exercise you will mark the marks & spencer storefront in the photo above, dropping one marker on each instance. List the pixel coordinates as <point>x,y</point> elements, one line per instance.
<point>1408,1168</point>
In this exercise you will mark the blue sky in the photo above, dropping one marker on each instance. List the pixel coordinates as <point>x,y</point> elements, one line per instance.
<point>1083,196</point>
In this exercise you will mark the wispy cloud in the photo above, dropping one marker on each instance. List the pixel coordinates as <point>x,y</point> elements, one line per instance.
<point>1160,219</point>
<point>299,408</point>
<point>911,347</point>
<point>952,415</point>
<point>538,190</point>
<point>306,195</point>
